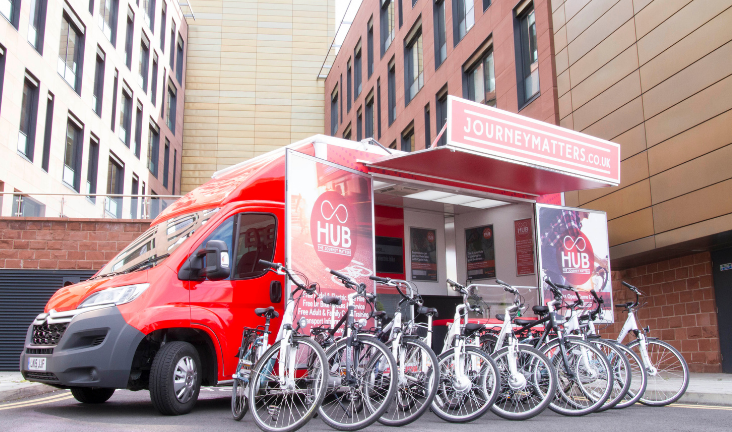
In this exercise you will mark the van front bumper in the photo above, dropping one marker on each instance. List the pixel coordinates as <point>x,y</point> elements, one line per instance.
<point>82,348</point>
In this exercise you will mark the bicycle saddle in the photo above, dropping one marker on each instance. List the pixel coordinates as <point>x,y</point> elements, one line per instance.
<point>501,317</point>
<point>331,300</point>
<point>523,322</point>
<point>427,311</point>
<point>379,314</point>
<point>267,312</point>
<point>540,310</point>
<point>472,328</point>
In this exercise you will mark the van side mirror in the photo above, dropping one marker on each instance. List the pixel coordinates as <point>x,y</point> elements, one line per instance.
<point>217,263</point>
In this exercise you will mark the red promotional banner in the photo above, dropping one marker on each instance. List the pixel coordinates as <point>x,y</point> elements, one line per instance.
<point>520,139</point>
<point>524,247</point>
<point>330,226</point>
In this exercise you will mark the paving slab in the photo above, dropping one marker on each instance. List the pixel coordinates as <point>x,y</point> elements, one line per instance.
<point>13,386</point>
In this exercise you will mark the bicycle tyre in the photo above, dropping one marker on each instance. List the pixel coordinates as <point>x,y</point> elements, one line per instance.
<point>432,378</point>
<point>639,378</point>
<point>239,402</point>
<point>262,376</point>
<point>328,410</point>
<point>544,377</point>
<point>438,403</point>
<point>570,405</point>
<point>620,365</point>
<point>655,387</point>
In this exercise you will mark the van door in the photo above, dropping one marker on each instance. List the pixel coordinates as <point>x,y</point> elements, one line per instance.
<point>226,306</point>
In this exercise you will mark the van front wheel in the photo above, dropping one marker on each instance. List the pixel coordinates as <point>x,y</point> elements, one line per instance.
<point>175,378</point>
<point>92,395</point>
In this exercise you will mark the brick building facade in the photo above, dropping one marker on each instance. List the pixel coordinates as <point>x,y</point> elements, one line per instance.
<point>64,244</point>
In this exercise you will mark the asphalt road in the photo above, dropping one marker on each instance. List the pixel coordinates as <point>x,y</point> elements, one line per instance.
<point>132,411</point>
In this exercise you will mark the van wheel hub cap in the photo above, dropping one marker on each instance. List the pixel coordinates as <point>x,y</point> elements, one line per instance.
<point>185,378</point>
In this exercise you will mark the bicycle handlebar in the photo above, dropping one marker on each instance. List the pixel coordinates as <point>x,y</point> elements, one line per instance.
<point>277,266</point>
<point>380,279</point>
<point>269,264</point>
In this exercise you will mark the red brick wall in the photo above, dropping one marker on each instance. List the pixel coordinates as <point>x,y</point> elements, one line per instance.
<point>681,307</point>
<point>64,244</point>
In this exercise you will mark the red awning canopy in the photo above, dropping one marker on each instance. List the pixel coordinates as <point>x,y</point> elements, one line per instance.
<point>453,166</point>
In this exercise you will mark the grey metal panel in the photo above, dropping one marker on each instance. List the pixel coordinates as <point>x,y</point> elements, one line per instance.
<point>23,295</point>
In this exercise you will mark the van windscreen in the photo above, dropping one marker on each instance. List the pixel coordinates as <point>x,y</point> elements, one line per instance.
<point>157,243</point>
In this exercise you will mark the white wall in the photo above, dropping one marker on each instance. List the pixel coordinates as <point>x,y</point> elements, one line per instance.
<point>436,221</point>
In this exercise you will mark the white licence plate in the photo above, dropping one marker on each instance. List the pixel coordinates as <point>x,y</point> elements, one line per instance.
<point>36,363</point>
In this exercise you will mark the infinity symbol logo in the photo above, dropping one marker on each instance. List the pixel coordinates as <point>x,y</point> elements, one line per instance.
<point>574,243</point>
<point>334,212</point>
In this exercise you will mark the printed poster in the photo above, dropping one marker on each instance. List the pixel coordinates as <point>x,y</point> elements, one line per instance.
<point>330,226</point>
<point>574,250</point>
<point>480,252</point>
<point>523,233</point>
<point>423,254</point>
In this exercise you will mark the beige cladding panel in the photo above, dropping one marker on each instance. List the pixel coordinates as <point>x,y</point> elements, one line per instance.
<point>630,227</point>
<point>263,58</point>
<point>712,201</point>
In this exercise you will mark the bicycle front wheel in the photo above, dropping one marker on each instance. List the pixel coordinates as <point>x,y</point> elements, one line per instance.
<point>467,396</point>
<point>358,395</point>
<point>639,378</point>
<point>239,405</point>
<point>668,373</point>
<point>620,367</point>
<point>585,378</point>
<point>532,389</point>
<point>284,402</point>
<point>417,379</point>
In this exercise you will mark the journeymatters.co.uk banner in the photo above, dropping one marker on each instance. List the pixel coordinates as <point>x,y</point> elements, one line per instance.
<point>574,250</point>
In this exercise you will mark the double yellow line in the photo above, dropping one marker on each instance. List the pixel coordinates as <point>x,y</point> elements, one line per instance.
<point>55,398</point>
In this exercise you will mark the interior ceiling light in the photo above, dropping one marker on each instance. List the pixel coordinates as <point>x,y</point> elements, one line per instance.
<point>429,195</point>
<point>458,199</point>
<point>484,203</point>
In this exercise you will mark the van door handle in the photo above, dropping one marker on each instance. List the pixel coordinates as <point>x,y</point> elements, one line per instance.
<point>275,291</point>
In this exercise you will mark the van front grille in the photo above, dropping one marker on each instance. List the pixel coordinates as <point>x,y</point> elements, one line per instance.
<point>48,334</point>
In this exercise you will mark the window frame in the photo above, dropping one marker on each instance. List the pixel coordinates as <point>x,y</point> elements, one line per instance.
<point>166,163</point>
<point>31,116</point>
<point>334,111</point>
<point>391,93</point>
<point>129,38</point>
<point>440,106</point>
<point>154,80</point>
<point>479,60</point>
<point>98,90</point>
<point>126,115</point>
<point>144,66</point>
<point>368,112</point>
<point>349,69</point>
<point>92,168</point>
<point>77,149</point>
<point>386,37</point>
<point>460,9</point>
<point>359,124</point>
<point>138,129</point>
<point>521,12</point>
<point>79,31</point>
<point>411,42</point>
<point>153,149</point>
<point>180,57</point>
<point>40,7</point>
<point>172,106</point>
<point>48,127</point>
<point>14,17</point>
<point>357,72</point>
<point>408,138</point>
<point>370,47</point>
<point>438,18</point>
<point>113,18</point>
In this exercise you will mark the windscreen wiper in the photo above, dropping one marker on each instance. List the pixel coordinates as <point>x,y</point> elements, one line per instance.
<point>144,264</point>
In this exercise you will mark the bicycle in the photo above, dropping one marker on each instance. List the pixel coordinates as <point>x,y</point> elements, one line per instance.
<point>288,382</point>
<point>417,374</point>
<point>529,380</point>
<point>469,378</point>
<point>584,372</point>
<point>615,353</point>
<point>362,382</point>
<point>668,372</point>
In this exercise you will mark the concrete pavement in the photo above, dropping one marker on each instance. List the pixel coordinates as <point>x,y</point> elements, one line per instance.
<point>13,386</point>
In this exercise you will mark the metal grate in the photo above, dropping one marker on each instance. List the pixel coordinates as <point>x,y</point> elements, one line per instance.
<point>48,334</point>
<point>23,295</point>
<point>39,350</point>
<point>45,376</point>
<point>98,340</point>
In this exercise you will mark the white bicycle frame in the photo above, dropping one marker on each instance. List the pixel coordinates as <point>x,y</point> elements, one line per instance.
<point>632,325</point>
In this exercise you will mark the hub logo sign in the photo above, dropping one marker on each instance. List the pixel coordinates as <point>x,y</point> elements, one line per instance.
<point>333,230</point>
<point>575,258</point>
<point>574,250</point>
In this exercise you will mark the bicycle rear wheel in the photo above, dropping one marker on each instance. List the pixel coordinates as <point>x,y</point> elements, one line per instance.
<point>668,373</point>
<point>354,405</point>
<point>417,384</point>
<point>585,381</point>
<point>239,404</point>
<point>638,381</point>
<point>279,406</point>
<point>521,399</point>
<point>462,400</point>
<point>620,368</point>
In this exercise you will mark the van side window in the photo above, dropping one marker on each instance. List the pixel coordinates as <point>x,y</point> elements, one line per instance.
<point>255,241</point>
<point>224,232</point>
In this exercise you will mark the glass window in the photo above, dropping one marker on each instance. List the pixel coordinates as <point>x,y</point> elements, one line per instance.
<point>179,67</point>
<point>2,71</point>
<point>128,42</point>
<point>166,163</point>
<point>392,94</point>
<point>138,130</point>
<point>28,206</point>
<point>115,185</point>
<point>359,125</point>
<point>370,48</point>
<point>357,84</point>
<point>486,3</point>
<point>427,142</point>
<point>413,62</point>
<point>8,10</point>
<point>408,140</point>
<point>107,19</point>
<point>114,98</point>
<point>255,240</point>
<point>334,111</point>
<point>154,84</point>
<point>440,36</point>
<point>170,112</point>
<point>225,233</point>
<point>348,86</point>
<point>70,54</point>
<point>153,151</point>
<point>134,202</point>
<point>378,107</point>
<point>175,165</point>
<point>92,169</point>
<point>369,118</point>
<point>47,133</point>
<point>162,27</point>
<point>36,24</point>
<point>441,116</point>
<point>125,118</point>
<point>172,45</point>
<point>72,155</point>
<point>387,25</point>
<point>148,6</point>
<point>28,113</point>
<point>143,70</point>
<point>98,85</point>
<point>481,80</point>
<point>529,56</point>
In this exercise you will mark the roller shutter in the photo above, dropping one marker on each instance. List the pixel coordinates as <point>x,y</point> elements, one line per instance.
<point>23,295</point>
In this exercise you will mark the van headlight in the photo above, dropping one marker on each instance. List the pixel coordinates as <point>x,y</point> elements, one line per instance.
<point>115,296</point>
